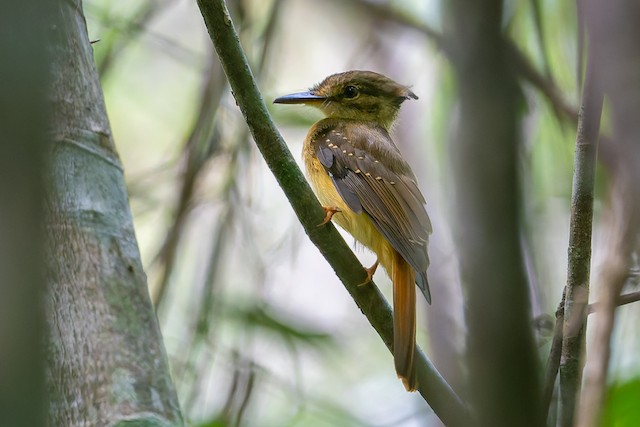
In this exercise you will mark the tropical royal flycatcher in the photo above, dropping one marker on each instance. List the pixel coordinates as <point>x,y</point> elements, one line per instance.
<point>360,176</point>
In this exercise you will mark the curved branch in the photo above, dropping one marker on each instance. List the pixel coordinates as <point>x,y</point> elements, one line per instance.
<point>432,386</point>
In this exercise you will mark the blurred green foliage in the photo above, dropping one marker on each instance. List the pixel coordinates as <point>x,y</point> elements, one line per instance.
<point>622,408</point>
<point>257,327</point>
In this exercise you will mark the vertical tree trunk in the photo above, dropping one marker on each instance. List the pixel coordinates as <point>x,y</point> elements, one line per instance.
<point>106,360</point>
<point>22,142</point>
<point>501,355</point>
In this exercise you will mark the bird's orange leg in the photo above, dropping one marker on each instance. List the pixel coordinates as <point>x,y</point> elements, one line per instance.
<point>329,213</point>
<point>370,272</point>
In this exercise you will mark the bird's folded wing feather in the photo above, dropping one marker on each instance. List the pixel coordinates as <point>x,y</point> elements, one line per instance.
<point>371,176</point>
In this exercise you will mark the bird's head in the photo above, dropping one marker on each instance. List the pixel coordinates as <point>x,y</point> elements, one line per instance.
<point>356,95</point>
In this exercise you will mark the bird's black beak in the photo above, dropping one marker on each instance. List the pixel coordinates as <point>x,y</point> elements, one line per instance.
<point>299,98</point>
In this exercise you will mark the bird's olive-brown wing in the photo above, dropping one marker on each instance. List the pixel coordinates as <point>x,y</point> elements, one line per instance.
<point>372,177</point>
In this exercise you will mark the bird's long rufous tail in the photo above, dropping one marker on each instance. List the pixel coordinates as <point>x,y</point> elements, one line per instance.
<point>404,321</point>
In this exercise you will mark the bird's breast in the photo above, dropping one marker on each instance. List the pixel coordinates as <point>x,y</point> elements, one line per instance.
<point>358,225</point>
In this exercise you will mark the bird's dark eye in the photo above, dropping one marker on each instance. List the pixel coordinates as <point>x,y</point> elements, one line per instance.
<point>350,92</point>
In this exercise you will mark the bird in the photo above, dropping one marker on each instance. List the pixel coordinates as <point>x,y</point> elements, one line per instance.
<point>365,186</point>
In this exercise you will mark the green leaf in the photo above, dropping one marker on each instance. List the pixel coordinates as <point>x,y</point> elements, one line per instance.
<point>622,408</point>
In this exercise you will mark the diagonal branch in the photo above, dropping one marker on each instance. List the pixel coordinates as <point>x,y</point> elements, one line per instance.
<point>432,386</point>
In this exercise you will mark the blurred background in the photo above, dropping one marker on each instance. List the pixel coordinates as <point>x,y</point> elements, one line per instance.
<point>259,330</point>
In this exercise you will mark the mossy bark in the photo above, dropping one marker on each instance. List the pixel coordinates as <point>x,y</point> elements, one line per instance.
<point>106,360</point>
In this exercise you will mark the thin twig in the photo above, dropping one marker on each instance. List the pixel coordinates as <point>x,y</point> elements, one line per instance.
<point>248,392</point>
<point>199,146</point>
<point>553,362</point>
<point>613,32</point>
<point>538,21</point>
<point>128,32</point>
<point>432,386</point>
<point>625,299</point>
<point>579,264</point>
